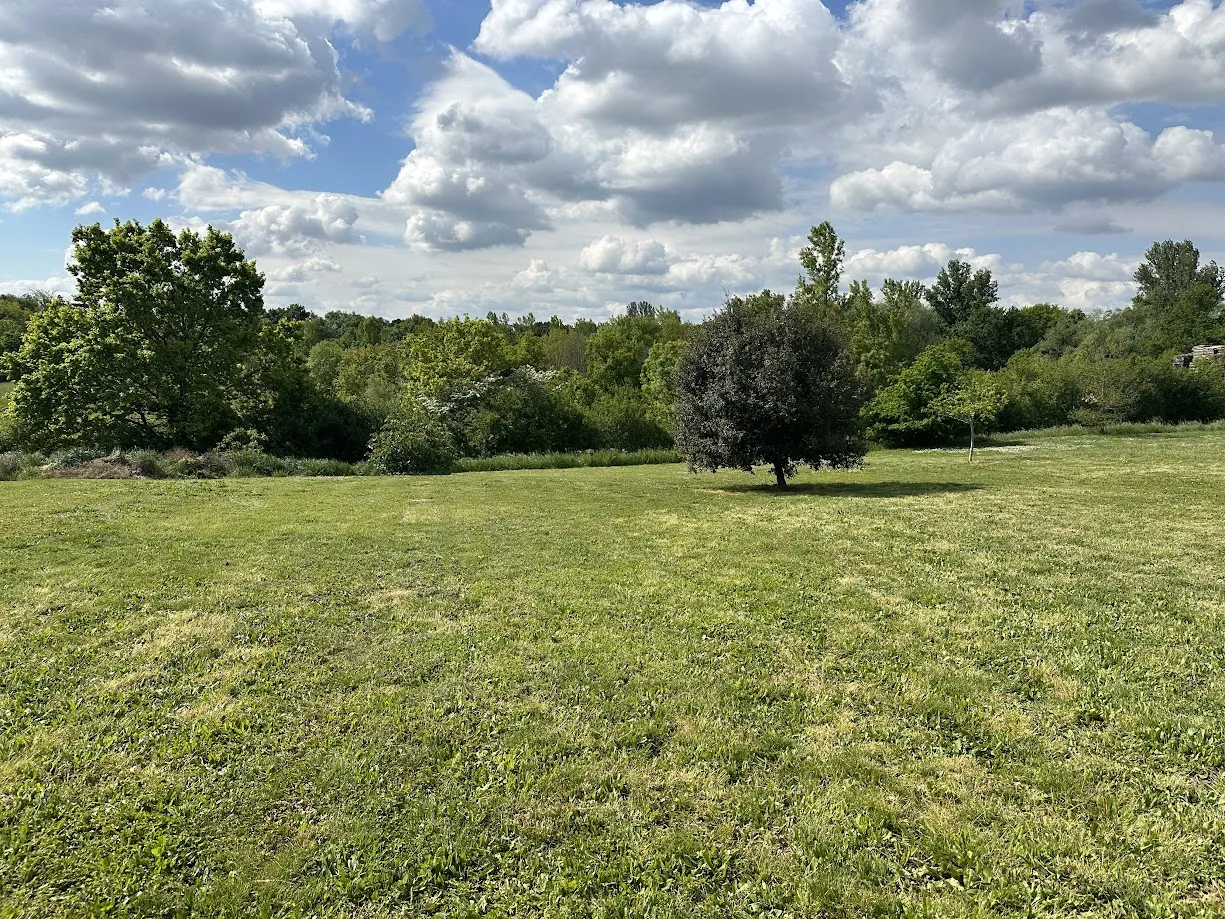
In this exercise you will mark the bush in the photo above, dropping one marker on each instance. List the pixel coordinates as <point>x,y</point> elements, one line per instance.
<point>148,463</point>
<point>253,463</point>
<point>206,466</point>
<point>413,444</point>
<point>75,456</point>
<point>10,466</point>
<point>621,420</point>
<point>8,431</point>
<point>325,467</point>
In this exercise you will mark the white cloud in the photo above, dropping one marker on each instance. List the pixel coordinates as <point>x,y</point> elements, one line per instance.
<point>93,207</point>
<point>297,229</point>
<point>98,93</point>
<point>1040,162</point>
<point>296,274</point>
<point>615,255</point>
<point>385,19</point>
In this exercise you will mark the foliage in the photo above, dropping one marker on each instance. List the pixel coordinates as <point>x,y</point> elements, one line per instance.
<point>454,352</point>
<point>975,400</point>
<point>901,414</point>
<point>588,459</point>
<point>622,420</point>
<point>887,335</point>
<point>413,443</point>
<point>767,382</point>
<point>822,260</point>
<point>519,411</point>
<point>152,350</point>
<point>659,382</point>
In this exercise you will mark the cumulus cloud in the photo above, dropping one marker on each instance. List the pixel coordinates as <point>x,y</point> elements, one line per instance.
<point>93,207</point>
<point>1043,161</point>
<point>98,93</point>
<point>615,255</point>
<point>473,132</point>
<point>384,19</point>
<point>297,229</point>
<point>296,274</point>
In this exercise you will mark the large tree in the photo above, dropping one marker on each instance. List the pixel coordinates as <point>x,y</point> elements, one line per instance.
<point>766,382</point>
<point>960,293</point>
<point>154,349</point>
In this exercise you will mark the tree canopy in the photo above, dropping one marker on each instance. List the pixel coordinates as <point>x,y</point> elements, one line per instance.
<point>154,348</point>
<point>766,382</point>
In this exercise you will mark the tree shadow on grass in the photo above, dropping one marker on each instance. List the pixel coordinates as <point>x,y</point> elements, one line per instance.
<point>851,489</point>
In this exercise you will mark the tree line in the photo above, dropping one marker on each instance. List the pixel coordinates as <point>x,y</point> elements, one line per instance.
<point>167,343</point>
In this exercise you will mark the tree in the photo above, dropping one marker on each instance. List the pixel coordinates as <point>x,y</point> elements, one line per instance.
<point>1170,269</point>
<point>767,382</point>
<point>822,260</point>
<point>616,353</point>
<point>456,351</point>
<point>900,414</point>
<point>975,400</point>
<point>659,382</point>
<point>960,292</point>
<point>152,350</point>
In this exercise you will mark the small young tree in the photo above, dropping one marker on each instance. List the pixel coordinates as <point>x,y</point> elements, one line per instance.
<point>976,400</point>
<point>767,382</point>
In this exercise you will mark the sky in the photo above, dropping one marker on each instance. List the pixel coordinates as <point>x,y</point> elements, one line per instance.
<point>566,157</point>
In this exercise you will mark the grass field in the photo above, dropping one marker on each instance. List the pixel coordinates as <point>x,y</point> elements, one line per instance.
<point>925,689</point>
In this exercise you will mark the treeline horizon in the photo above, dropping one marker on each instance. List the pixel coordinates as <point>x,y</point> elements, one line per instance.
<point>167,343</point>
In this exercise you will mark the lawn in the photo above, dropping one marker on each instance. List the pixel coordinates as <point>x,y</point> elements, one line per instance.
<point>924,689</point>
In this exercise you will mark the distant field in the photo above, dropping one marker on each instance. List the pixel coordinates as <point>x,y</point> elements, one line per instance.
<point>926,689</point>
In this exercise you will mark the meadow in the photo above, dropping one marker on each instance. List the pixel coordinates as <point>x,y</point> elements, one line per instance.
<point>928,688</point>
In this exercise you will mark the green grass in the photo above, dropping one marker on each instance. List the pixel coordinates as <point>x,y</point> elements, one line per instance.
<point>925,689</point>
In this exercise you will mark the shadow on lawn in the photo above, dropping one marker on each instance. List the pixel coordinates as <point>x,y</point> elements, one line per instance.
<point>853,489</point>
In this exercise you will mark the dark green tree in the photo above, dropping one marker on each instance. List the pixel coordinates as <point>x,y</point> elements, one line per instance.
<point>151,351</point>
<point>765,381</point>
<point>1170,269</point>
<point>960,292</point>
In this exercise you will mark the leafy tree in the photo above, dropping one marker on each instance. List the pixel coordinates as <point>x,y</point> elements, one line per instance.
<point>659,382</point>
<point>888,334</point>
<point>152,350</point>
<point>975,400</point>
<point>456,351</point>
<point>642,309</point>
<point>960,293</point>
<point>15,314</point>
<point>565,348</point>
<point>822,260</point>
<point>323,364</point>
<point>622,421</point>
<point>1170,269</point>
<point>1039,392</point>
<point>767,382</point>
<point>520,411</point>
<point>618,350</point>
<point>901,413</point>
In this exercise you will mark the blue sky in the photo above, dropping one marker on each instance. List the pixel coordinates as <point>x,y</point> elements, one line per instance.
<point>568,156</point>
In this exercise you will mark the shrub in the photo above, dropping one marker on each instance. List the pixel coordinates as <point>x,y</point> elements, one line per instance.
<point>75,456</point>
<point>325,467</point>
<point>252,463</point>
<point>10,466</point>
<point>621,420</point>
<point>148,463</point>
<point>413,444</point>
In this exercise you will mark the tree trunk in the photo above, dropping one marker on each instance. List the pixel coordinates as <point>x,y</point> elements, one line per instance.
<point>780,473</point>
<point>971,440</point>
